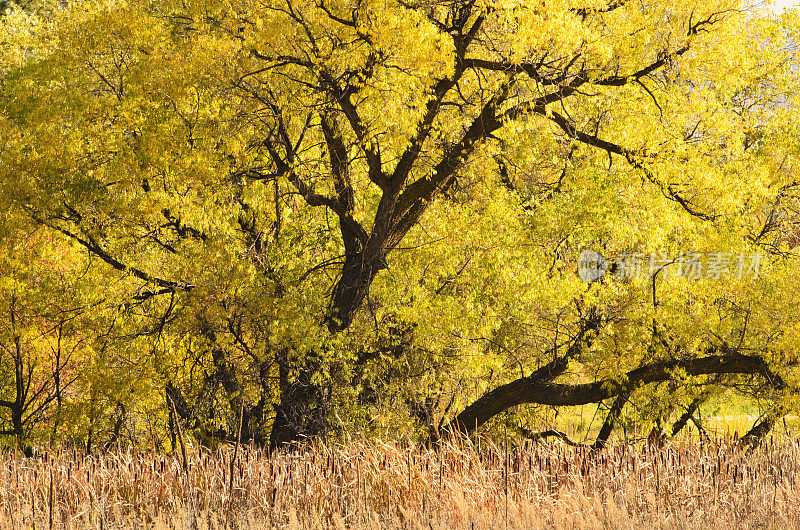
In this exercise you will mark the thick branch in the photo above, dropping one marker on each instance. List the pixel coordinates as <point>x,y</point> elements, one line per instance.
<point>353,234</point>
<point>433,106</point>
<point>373,155</point>
<point>532,390</point>
<point>415,199</point>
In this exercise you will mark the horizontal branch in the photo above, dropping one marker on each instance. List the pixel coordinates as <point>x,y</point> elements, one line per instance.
<point>580,78</point>
<point>631,156</point>
<point>533,390</point>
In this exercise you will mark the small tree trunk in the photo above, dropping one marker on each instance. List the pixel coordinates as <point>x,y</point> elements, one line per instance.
<point>611,421</point>
<point>752,438</point>
<point>686,416</point>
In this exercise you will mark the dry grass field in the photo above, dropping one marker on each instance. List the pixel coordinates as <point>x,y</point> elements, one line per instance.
<point>372,485</point>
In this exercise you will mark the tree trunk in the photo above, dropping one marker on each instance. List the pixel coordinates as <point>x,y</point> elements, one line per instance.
<point>302,412</point>
<point>611,421</point>
<point>351,290</point>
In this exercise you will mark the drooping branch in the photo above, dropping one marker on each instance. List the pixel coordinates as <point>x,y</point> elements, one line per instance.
<point>631,156</point>
<point>93,246</point>
<point>534,390</point>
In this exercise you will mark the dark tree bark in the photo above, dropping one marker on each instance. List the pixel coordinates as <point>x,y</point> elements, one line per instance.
<point>302,412</point>
<point>351,290</point>
<point>541,390</point>
<point>681,422</point>
<point>753,438</point>
<point>611,419</point>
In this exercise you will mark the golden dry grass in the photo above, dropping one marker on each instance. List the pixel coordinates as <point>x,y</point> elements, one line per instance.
<point>374,485</point>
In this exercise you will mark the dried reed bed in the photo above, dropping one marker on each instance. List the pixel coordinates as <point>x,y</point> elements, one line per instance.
<point>374,485</point>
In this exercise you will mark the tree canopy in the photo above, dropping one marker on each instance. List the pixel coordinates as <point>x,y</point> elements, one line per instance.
<point>267,220</point>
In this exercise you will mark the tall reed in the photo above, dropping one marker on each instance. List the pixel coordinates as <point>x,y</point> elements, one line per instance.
<point>380,485</point>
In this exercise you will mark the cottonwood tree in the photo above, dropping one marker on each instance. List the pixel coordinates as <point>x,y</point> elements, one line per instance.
<point>316,203</point>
